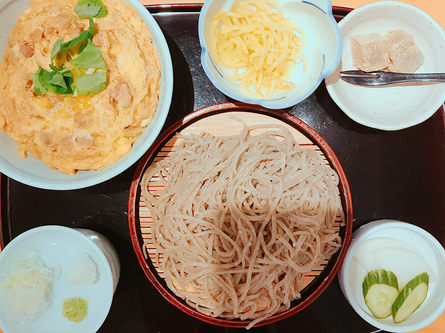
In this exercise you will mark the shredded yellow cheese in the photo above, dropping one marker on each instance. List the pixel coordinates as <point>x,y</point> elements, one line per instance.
<point>259,45</point>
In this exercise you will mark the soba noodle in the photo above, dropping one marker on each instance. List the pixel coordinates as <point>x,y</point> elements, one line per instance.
<point>241,220</point>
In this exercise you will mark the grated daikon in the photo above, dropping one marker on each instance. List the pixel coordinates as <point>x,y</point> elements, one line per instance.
<point>28,286</point>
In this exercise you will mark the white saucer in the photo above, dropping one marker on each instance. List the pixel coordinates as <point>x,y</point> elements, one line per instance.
<point>57,247</point>
<point>391,107</point>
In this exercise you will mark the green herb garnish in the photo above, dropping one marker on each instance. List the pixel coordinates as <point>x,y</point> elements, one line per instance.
<point>80,42</point>
<point>90,57</point>
<point>90,84</point>
<point>56,48</point>
<point>90,9</point>
<point>59,81</point>
<point>39,82</point>
<point>79,54</point>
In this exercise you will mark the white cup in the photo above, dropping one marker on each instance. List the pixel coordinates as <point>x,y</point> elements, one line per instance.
<point>422,244</point>
<point>108,250</point>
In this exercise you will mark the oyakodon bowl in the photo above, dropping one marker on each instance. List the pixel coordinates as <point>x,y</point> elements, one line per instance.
<point>34,172</point>
<point>220,119</point>
<point>323,51</point>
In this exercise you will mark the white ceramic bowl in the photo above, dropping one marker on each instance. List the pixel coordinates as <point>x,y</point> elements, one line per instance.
<point>57,247</point>
<point>34,172</point>
<point>398,106</point>
<point>427,254</point>
<point>323,50</point>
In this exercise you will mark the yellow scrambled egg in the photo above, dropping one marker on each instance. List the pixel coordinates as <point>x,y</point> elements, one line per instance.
<point>79,133</point>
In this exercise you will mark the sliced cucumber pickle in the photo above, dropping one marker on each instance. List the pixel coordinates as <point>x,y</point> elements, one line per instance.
<point>410,298</point>
<point>380,289</point>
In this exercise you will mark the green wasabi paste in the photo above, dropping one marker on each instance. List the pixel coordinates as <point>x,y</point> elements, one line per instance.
<point>75,309</point>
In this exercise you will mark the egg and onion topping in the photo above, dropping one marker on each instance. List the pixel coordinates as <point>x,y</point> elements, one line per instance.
<point>79,82</point>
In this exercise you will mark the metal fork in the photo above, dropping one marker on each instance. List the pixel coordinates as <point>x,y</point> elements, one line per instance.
<point>379,78</point>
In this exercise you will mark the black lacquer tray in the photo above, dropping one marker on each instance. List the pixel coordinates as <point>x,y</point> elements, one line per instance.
<point>397,175</point>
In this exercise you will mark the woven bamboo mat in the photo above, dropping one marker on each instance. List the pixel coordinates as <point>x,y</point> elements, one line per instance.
<point>220,124</point>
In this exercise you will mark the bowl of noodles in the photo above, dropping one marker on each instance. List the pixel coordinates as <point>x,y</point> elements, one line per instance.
<point>272,53</point>
<point>240,216</point>
<point>82,97</point>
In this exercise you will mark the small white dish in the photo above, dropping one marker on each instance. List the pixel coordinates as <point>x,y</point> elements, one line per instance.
<point>58,246</point>
<point>34,172</point>
<point>408,244</point>
<point>323,50</point>
<point>399,106</point>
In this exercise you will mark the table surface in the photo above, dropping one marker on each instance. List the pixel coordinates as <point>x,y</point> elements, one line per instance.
<point>435,8</point>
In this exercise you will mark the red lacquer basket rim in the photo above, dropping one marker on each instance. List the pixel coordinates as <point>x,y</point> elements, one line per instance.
<point>191,118</point>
